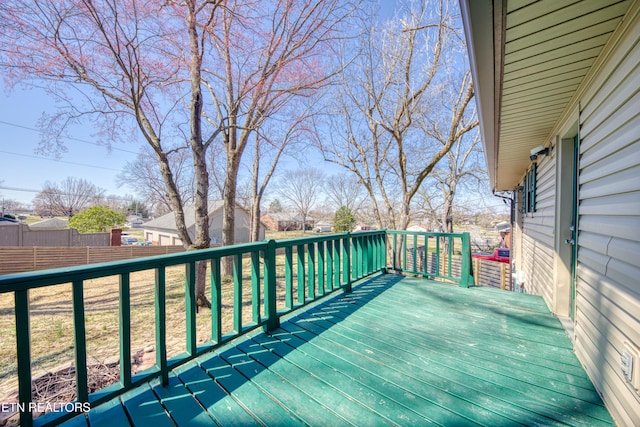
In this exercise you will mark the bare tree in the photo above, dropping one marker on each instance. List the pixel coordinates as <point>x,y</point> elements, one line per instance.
<point>302,189</point>
<point>144,177</point>
<point>401,69</point>
<point>68,197</point>
<point>345,190</point>
<point>276,137</point>
<point>267,56</point>
<point>131,65</point>
<point>461,168</point>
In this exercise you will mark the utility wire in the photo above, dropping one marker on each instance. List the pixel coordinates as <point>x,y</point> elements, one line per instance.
<point>59,161</point>
<point>31,190</point>
<point>70,137</point>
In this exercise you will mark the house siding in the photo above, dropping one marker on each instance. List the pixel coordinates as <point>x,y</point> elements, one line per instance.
<point>607,296</point>
<point>607,287</point>
<point>538,232</point>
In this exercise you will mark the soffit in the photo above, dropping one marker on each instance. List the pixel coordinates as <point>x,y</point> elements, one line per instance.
<point>549,46</point>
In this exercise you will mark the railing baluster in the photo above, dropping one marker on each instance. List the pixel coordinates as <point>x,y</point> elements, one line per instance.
<point>237,293</point>
<point>80,341</point>
<point>415,253</point>
<point>370,254</point>
<point>425,251</point>
<point>395,251</point>
<point>255,286</point>
<point>288,276</point>
<point>23,349</point>
<point>216,301</point>
<point>404,251</point>
<point>161,327</point>
<point>336,264</point>
<point>190,307</point>
<point>437,255</point>
<point>383,251</point>
<point>125,330</point>
<point>354,257</point>
<point>329,260</point>
<point>311,272</point>
<point>321,261</point>
<point>449,255</point>
<point>346,267</point>
<point>301,275</point>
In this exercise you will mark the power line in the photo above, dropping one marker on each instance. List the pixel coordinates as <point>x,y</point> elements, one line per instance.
<point>59,161</point>
<point>69,137</point>
<point>31,190</point>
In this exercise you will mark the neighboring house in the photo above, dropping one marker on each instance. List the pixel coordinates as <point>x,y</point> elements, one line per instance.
<point>283,221</point>
<point>323,227</point>
<point>558,93</point>
<point>162,230</point>
<point>135,221</point>
<point>364,227</point>
<point>50,224</point>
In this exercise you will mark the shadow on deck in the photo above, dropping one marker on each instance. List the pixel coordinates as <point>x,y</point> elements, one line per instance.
<point>398,351</point>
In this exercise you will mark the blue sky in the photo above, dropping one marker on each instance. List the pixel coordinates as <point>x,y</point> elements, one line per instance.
<point>22,168</point>
<point>23,172</point>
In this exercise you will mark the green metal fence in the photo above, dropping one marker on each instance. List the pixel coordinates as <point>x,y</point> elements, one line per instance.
<point>289,273</point>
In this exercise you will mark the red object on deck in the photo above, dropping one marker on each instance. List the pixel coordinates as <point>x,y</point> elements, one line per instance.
<point>499,255</point>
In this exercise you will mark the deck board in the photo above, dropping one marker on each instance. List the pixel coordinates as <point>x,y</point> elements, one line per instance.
<point>395,351</point>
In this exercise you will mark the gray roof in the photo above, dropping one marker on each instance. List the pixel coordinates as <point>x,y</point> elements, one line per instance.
<point>168,221</point>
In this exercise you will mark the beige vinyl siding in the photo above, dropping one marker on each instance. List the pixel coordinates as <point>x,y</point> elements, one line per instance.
<point>607,287</point>
<point>538,231</point>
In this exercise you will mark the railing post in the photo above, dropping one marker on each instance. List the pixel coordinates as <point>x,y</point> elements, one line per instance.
<point>346,267</point>
<point>23,348</point>
<point>466,273</point>
<point>270,311</point>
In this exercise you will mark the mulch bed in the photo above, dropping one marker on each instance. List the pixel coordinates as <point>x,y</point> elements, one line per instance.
<point>59,387</point>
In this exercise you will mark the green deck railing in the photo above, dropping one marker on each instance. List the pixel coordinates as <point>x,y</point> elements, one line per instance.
<point>445,256</point>
<point>289,273</point>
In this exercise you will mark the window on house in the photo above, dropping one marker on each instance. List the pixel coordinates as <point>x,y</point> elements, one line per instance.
<point>529,190</point>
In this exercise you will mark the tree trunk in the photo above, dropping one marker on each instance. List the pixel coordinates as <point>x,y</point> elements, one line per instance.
<point>255,218</point>
<point>198,149</point>
<point>228,210</point>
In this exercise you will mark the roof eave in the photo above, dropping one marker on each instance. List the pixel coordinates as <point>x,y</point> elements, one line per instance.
<point>483,22</point>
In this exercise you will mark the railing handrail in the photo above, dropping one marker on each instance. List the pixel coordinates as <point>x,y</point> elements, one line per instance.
<point>325,263</point>
<point>55,276</point>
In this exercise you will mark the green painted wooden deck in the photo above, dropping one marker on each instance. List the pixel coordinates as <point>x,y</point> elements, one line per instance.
<point>397,351</point>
